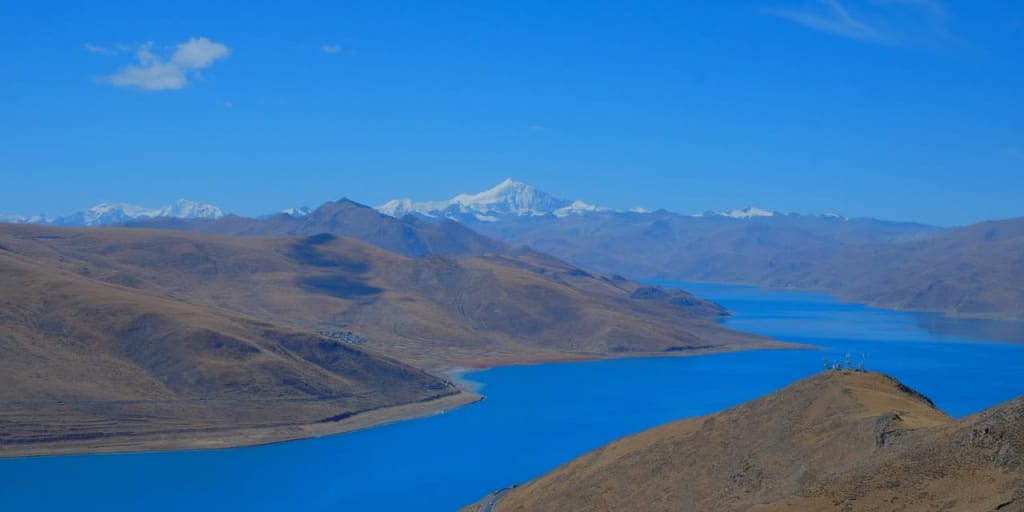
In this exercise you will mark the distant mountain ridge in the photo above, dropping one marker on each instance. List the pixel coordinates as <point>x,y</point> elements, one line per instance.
<point>118,213</point>
<point>409,236</point>
<point>512,199</point>
<point>974,270</point>
<point>745,213</point>
<point>884,263</point>
<point>300,211</point>
<point>508,199</point>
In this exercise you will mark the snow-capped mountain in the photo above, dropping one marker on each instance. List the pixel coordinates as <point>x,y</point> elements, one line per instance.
<point>577,208</point>
<point>186,209</point>
<point>508,199</point>
<point>301,211</point>
<point>118,213</point>
<point>753,212</point>
<point>106,213</point>
<point>746,213</point>
<point>512,199</point>
<point>24,219</point>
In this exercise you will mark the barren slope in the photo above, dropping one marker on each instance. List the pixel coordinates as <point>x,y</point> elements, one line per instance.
<point>836,441</point>
<point>429,311</point>
<point>86,365</point>
<point>976,270</point>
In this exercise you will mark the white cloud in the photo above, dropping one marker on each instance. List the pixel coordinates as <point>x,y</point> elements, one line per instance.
<point>95,48</point>
<point>199,53</point>
<point>889,22</point>
<point>331,48</point>
<point>117,49</point>
<point>834,18</point>
<point>154,72</point>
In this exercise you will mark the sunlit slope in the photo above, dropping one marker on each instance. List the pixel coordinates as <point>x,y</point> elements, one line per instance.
<point>976,270</point>
<point>87,364</point>
<point>836,441</point>
<point>429,311</point>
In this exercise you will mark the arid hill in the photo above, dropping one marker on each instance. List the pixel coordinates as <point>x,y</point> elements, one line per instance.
<point>92,366</point>
<point>836,441</point>
<point>976,270</point>
<point>972,271</point>
<point>664,244</point>
<point>430,312</point>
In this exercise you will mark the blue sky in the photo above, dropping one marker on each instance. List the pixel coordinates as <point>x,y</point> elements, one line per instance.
<point>902,109</point>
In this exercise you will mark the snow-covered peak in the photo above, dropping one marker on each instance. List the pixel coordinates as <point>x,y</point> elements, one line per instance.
<point>24,219</point>
<point>578,208</point>
<point>299,212</point>
<point>753,212</point>
<point>130,210</point>
<point>107,213</point>
<point>186,209</point>
<point>747,213</point>
<point>119,213</point>
<point>395,207</point>
<point>508,199</point>
<point>834,216</point>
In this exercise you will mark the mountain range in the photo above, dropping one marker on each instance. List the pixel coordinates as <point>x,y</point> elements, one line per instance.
<point>513,199</point>
<point>883,263</point>
<point>408,236</point>
<point>118,213</point>
<point>970,271</point>
<point>837,441</point>
<point>508,199</point>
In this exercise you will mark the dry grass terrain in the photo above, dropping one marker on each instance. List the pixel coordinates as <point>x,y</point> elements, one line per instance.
<point>836,441</point>
<point>975,271</point>
<point>90,365</point>
<point>121,338</point>
<point>431,312</point>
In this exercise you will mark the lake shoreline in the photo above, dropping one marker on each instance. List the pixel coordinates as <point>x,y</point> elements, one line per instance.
<point>840,297</point>
<point>248,437</point>
<point>454,373</point>
<point>257,436</point>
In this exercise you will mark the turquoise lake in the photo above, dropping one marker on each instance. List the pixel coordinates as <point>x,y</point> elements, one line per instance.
<point>537,417</point>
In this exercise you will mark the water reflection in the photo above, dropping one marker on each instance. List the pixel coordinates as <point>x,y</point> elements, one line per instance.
<point>941,326</point>
<point>808,307</point>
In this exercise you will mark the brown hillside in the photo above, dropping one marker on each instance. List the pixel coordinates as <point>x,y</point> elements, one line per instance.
<point>428,311</point>
<point>836,441</point>
<point>973,271</point>
<point>86,365</point>
<point>976,270</point>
